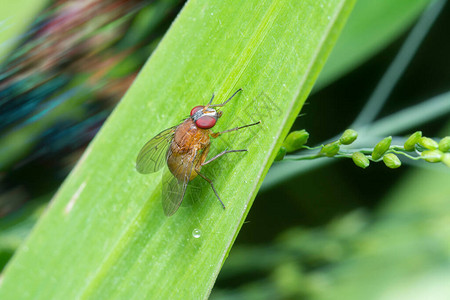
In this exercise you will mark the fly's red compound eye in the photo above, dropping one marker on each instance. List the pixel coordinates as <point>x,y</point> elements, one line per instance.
<point>205,122</point>
<point>196,109</point>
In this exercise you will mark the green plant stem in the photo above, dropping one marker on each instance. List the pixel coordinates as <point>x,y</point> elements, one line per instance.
<point>405,119</point>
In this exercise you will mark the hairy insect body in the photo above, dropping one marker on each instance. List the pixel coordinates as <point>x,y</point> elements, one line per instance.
<point>184,149</point>
<point>190,143</point>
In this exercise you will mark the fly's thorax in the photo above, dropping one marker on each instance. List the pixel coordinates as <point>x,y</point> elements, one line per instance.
<point>189,137</point>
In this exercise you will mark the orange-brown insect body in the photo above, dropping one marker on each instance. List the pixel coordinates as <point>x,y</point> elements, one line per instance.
<point>184,149</point>
<point>189,140</point>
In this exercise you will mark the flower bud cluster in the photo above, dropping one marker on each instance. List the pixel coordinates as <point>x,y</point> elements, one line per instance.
<point>425,148</point>
<point>430,150</point>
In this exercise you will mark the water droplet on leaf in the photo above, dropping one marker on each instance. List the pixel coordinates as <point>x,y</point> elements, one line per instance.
<point>196,233</point>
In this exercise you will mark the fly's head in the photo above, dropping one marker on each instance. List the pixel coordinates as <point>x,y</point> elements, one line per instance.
<point>205,117</point>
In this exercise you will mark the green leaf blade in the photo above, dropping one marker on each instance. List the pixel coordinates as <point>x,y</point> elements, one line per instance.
<point>105,235</point>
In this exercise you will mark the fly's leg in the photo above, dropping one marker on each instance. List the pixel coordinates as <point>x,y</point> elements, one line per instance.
<point>220,154</point>
<point>216,134</point>
<point>212,186</point>
<point>197,170</point>
<point>201,164</point>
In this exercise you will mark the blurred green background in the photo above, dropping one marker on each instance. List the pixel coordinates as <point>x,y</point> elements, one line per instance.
<point>334,232</point>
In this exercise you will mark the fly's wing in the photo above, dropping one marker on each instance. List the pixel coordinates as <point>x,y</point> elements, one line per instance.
<point>152,156</point>
<point>174,188</point>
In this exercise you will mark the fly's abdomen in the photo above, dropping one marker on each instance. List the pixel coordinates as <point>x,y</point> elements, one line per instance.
<point>181,164</point>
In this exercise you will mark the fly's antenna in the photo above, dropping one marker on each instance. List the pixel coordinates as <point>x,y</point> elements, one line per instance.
<point>222,104</point>
<point>210,101</point>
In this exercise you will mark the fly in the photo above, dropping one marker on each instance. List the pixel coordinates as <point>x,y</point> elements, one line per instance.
<point>184,148</point>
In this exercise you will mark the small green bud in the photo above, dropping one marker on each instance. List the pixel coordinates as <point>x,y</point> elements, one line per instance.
<point>281,153</point>
<point>428,143</point>
<point>391,161</point>
<point>348,137</point>
<point>381,148</point>
<point>413,139</point>
<point>444,144</point>
<point>446,159</point>
<point>295,140</point>
<point>330,149</point>
<point>360,160</point>
<point>432,156</point>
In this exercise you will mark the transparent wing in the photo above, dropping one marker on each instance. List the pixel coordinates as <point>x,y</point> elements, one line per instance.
<point>152,156</point>
<point>174,188</point>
